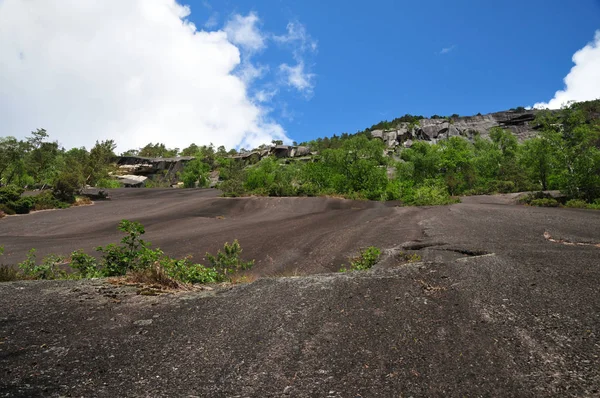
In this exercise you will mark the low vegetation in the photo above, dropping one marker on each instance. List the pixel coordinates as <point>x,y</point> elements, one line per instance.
<point>133,257</point>
<point>365,260</point>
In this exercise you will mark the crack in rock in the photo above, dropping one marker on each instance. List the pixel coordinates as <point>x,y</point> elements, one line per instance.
<point>549,238</point>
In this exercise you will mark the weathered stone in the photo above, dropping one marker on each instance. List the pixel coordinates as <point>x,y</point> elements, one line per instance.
<point>432,130</point>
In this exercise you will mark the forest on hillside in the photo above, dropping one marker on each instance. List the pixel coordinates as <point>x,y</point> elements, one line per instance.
<point>564,156</point>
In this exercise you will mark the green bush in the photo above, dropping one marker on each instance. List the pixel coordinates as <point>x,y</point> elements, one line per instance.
<point>6,209</point>
<point>24,205</point>
<point>228,261</point>
<point>85,265</point>
<point>185,271</point>
<point>46,201</point>
<point>66,186</point>
<point>501,186</point>
<point>365,260</point>
<point>577,204</point>
<point>431,193</point>
<point>10,193</point>
<point>530,197</point>
<point>108,183</point>
<point>133,253</point>
<point>48,269</point>
<point>582,204</point>
<point>547,202</point>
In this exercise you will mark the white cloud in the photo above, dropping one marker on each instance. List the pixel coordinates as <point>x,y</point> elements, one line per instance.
<point>265,95</point>
<point>297,77</point>
<point>446,50</point>
<point>136,71</point>
<point>212,21</point>
<point>583,81</point>
<point>297,35</point>
<point>244,32</point>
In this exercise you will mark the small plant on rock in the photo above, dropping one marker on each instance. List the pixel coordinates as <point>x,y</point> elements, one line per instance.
<point>228,261</point>
<point>47,270</point>
<point>133,254</point>
<point>365,260</point>
<point>85,265</point>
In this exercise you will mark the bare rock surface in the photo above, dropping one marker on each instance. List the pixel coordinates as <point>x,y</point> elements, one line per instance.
<point>521,124</point>
<point>493,308</point>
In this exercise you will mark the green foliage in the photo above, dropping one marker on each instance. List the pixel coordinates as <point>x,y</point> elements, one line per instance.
<point>430,193</point>
<point>271,178</point>
<point>582,204</point>
<point>157,150</point>
<point>108,183</point>
<point>48,269</point>
<point>364,261</point>
<point>132,254</point>
<point>10,193</point>
<point>228,260</point>
<point>546,202</point>
<point>195,174</point>
<point>23,205</point>
<point>85,265</point>
<point>186,271</point>
<point>6,209</point>
<point>67,185</point>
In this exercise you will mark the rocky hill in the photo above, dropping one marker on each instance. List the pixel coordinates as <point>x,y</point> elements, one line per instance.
<point>520,123</point>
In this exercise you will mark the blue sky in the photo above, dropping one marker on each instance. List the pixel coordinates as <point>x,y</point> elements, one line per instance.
<point>241,73</point>
<point>384,58</point>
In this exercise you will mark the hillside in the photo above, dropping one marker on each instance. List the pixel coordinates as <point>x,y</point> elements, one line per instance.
<point>502,303</point>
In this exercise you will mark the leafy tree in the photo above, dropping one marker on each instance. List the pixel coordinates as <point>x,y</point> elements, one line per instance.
<point>157,150</point>
<point>537,158</point>
<point>196,172</point>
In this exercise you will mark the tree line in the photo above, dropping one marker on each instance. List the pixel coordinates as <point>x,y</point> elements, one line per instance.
<point>564,156</point>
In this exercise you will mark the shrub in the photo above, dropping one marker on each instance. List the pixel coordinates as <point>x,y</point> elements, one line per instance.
<point>365,260</point>
<point>47,270</point>
<point>85,265</point>
<point>431,194</point>
<point>577,204</point>
<point>23,205</point>
<point>133,253</point>
<point>527,199</point>
<point>108,183</point>
<point>228,261</point>
<point>6,209</point>
<point>66,186</point>
<point>549,202</point>
<point>7,273</point>
<point>185,271</point>
<point>10,193</point>
<point>501,186</point>
<point>46,201</point>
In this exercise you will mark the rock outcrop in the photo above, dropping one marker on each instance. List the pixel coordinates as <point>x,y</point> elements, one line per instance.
<point>519,123</point>
<point>279,151</point>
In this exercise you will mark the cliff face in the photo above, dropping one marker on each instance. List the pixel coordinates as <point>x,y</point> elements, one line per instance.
<point>519,123</point>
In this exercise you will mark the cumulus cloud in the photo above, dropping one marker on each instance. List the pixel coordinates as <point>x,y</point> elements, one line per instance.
<point>244,32</point>
<point>583,81</point>
<point>136,71</point>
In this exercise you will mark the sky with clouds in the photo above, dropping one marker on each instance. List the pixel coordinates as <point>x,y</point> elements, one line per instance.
<point>240,73</point>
